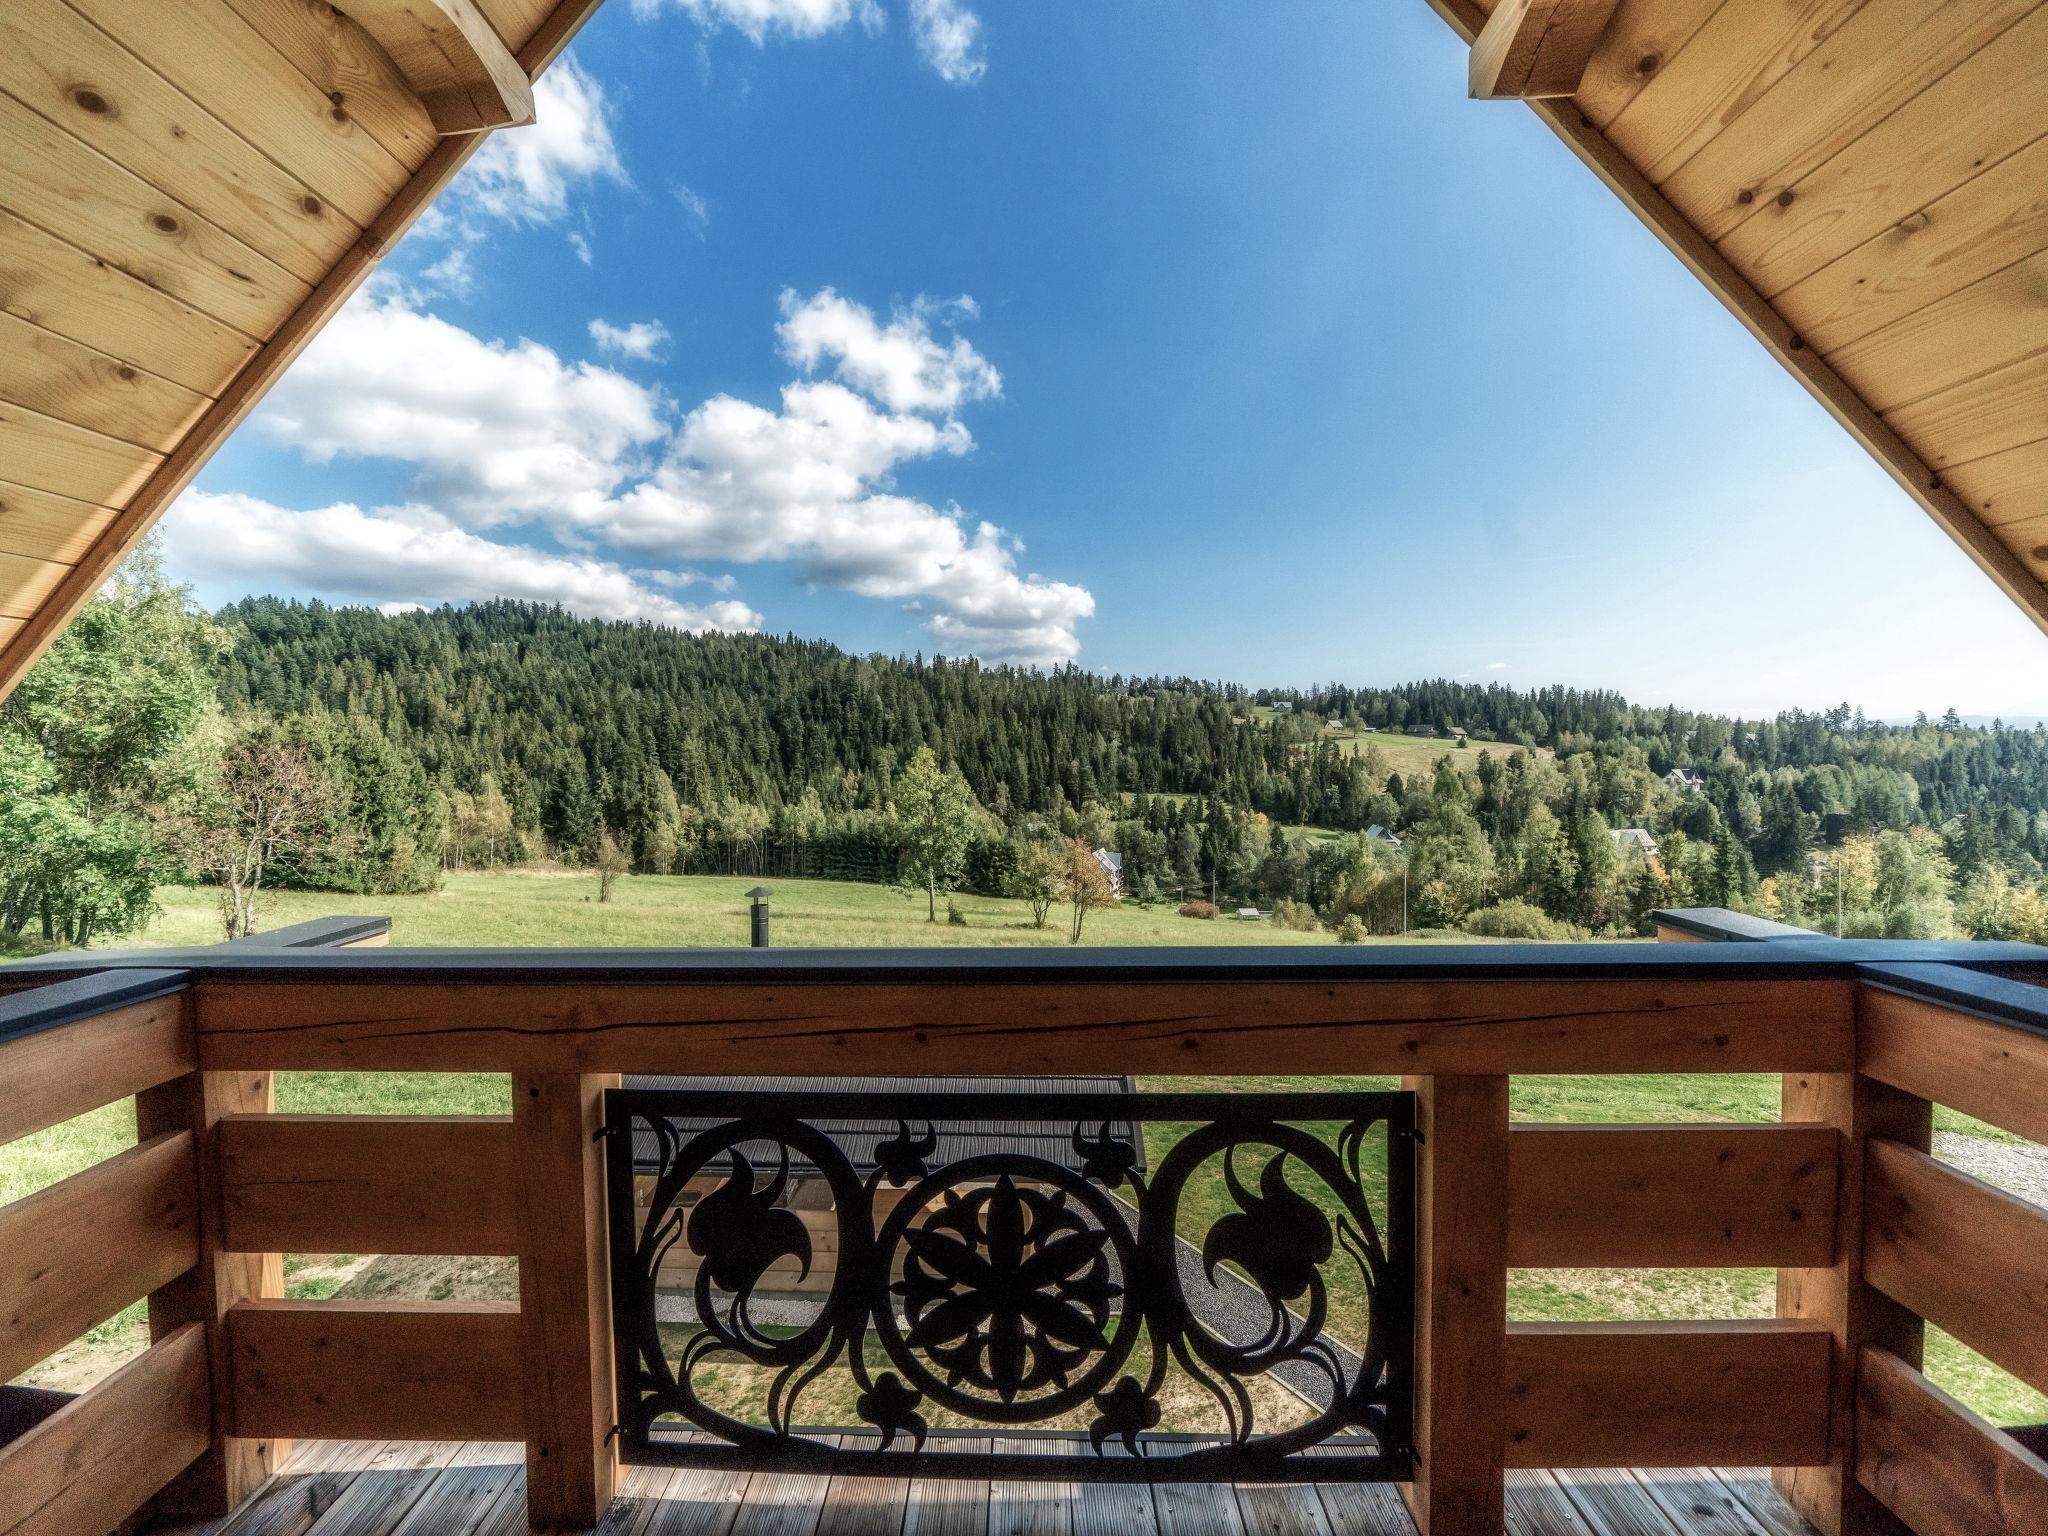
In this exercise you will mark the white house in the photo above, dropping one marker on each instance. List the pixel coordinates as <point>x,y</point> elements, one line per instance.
<point>1379,834</point>
<point>1626,838</point>
<point>1113,866</point>
<point>1684,782</point>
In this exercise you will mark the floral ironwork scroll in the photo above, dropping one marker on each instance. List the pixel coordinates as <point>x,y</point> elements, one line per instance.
<point>1006,1289</point>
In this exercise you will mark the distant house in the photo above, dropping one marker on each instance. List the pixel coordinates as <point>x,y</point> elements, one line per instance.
<point>1113,866</point>
<point>1424,730</point>
<point>1282,707</point>
<point>1379,834</point>
<point>1683,782</point>
<point>1372,730</point>
<point>1336,725</point>
<point>1250,915</point>
<point>1626,838</point>
<point>1459,732</point>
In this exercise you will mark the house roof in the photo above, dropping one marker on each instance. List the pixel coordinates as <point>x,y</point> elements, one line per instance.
<point>1862,186</point>
<point>187,194</point>
<point>1048,1139</point>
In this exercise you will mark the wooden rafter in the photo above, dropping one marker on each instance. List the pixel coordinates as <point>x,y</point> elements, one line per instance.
<point>1537,48</point>
<point>452,58</point>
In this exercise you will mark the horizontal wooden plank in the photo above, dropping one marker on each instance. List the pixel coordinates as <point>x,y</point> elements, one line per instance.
<point>45,526</point>
<point>59,63</point>
<point>1977,230</point>
<point>66,289</point>
<point>235,71</point>
<point>367,1184</point>
<point>1643,37</point>
<point>1394,1026</point>
<point>1989,413</point>
<point>1969,1258</point>
<point>89,1466</point>
<point>1735,1394</point>
<point>1988,325</point>
<point>91,389</point>
<point>342,1370</point>
<point>74,1254</point>
<point>52,180</point>
<point>2010,490</point>
<point>1649,1195</point>
<point>1982,110</point>
<point>24,580</point>
<point>55,1074</point>
<point>52,455</point>
<point>1935,1464</point>
<point>331,50</point>
<point>1997,1072</point>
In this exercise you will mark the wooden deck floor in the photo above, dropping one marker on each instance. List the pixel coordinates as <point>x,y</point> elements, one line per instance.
<point>333,1488</point>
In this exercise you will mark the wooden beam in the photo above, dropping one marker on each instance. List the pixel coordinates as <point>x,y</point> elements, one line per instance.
<point>1658,1195</point>
<point>1536,48</point>
<point>1969,1258</point>
<point>1996,1072</point>
<point>89,1466</point>
<point>452,58</point>
<point>1460,1304</point>
<point>565,1314</point>
<point>1837,1298</point>
<point>1936,1465</point>
<point>233,1466</point>
<point>367,1184</point>
<point>1674,1394</point>
<point>1936,497</point>
<point>21,648</point>
<point>376,1370</point>
<point>74,1254</point>
<point>1451,1026</point>
<point>55,1074</point>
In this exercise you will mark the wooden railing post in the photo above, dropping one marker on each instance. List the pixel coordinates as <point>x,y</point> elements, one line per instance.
<point>1461,1192</point>
<point>1859,1107</point>
<point>564,1297</point>
<point>232,1467</point>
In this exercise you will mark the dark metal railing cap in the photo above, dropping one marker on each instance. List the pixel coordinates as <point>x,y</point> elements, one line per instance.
<point>82,997</point>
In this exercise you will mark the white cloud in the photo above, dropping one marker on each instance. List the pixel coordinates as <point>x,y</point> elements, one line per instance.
<point>1496,666</point>
<point>693,205</point>
<point>901,364</point>
<point>401,560</point>
<point>501,432</point>
<point>525,175</point>
<point>642,340</point>
<point>579,242</point>
<point>948,38</point>
<point>757,19</point>
<point>509,434</point>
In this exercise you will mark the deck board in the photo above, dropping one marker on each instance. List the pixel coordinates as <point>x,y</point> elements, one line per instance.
<point>401,1488</point>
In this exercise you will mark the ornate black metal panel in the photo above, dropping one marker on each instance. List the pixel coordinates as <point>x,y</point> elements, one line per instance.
<point>1003,1290</point>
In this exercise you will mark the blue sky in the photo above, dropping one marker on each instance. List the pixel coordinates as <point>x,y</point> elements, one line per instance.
<point>1241,346</point>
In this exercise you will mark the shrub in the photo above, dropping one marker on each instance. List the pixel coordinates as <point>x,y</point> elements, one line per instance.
<point>954,916</point>
<point>1204,909</point>
<point>1351,930</point>
<point>1296,916</point>
<point>1517,920</point>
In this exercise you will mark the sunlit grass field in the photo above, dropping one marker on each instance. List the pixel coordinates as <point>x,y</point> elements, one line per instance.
<point>561,909</point>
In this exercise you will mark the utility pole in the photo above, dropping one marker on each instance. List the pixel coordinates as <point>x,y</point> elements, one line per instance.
<point>1404,898</point>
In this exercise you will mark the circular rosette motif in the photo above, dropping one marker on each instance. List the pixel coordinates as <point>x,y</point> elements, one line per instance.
<point>1010,1303</point>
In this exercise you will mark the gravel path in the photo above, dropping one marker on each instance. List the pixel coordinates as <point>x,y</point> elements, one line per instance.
<point>2020,1170</point>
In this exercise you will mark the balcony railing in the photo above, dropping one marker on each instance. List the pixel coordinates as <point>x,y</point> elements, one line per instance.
<point>1869,1234</point>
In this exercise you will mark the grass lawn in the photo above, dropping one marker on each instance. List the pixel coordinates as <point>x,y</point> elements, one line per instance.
<point>1412,755</point>
<point>561,909</point>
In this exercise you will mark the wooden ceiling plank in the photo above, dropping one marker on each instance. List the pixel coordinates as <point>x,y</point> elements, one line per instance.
<point>47,526</point>
<point>1739,53</point>
<point>55,181</point>
<point>1536,48</point>
<point>2028,539</point>
<point>63,289</point>
<point>1968,121</point>
<point>26,583</point>
<point>338,57</point>
<point>1880,58</point>
<point>1642,39</point>
<point>20,650</point>
<point>457,65</point>
<point>64,67</point>
<point>1980,228</point>
<point>1988,325</point>
<point>226,66</point>
<point>46,454</point>
<point>1979,417</point>
<point>2008,488</point>
<point>1722,279</point>
<point>75,383</point>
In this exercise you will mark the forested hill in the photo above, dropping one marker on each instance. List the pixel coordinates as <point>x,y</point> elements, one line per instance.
<point>554,730</point>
